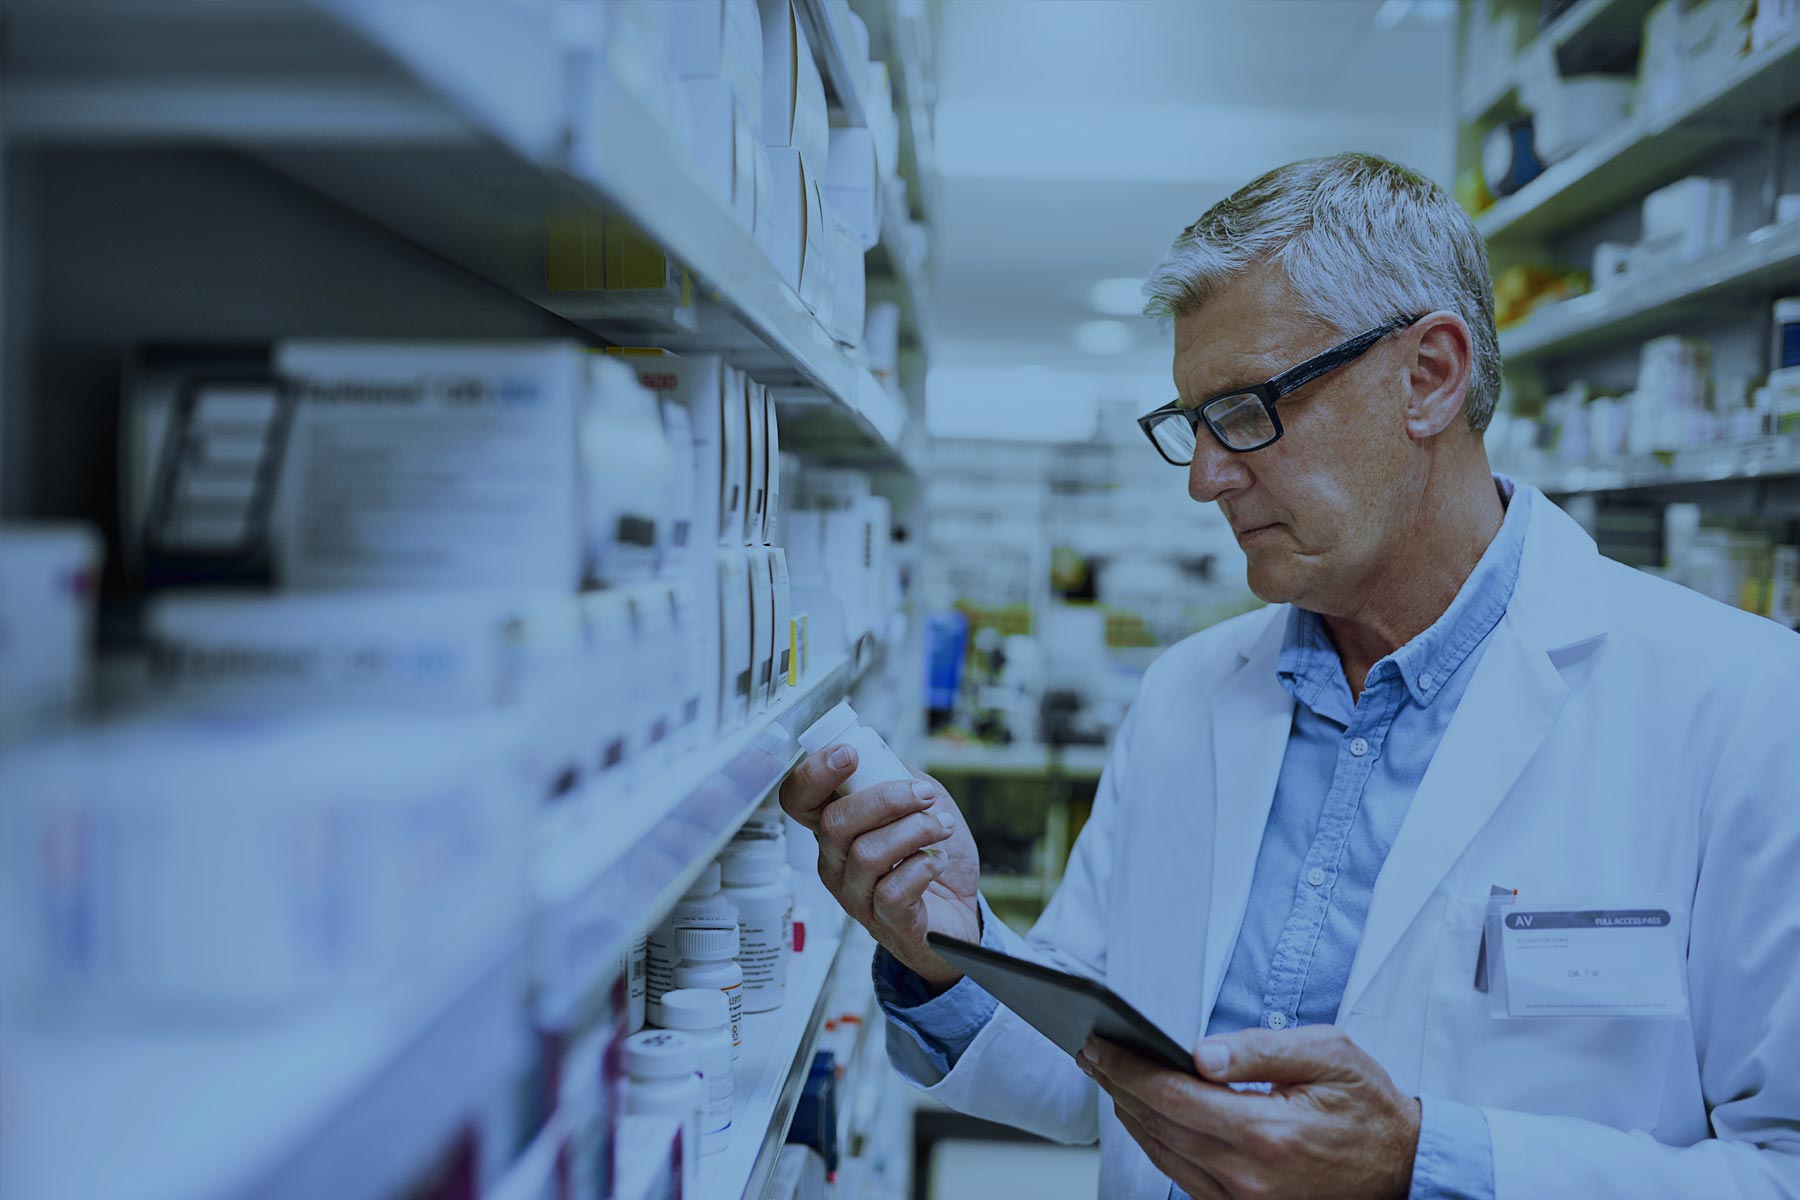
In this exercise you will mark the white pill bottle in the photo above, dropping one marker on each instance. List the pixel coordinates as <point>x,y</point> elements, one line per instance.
<point>752,873</point>
<point>701,1014</point>
<point>875,763</point>
<point>662,1078</point>
<point>702,907</point>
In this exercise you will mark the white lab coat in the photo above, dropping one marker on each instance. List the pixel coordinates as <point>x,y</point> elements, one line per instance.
<point>1621,736</point>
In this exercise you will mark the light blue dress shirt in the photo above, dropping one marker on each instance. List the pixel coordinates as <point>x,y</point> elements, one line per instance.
<point>1347,778</point>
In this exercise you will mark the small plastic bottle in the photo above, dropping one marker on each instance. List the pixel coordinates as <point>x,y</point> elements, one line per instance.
<point>766,823</point>
<point>709,960</point>
<point>752,874</point>
<point>662,1069</point>
<point>875,763</point>
<point>702,907</point>
<point>701,1013</point>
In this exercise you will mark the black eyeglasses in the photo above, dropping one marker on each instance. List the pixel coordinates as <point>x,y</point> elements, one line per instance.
<point>1244,419</point>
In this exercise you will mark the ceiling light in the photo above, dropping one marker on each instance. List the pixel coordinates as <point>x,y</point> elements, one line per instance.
<point>1103,337</point>
<point>1121,296</point>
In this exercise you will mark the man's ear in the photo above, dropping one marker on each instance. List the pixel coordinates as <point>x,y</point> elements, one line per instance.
<point>1438,373</point>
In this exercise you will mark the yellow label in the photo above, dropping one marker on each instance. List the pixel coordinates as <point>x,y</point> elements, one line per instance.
<point>793,662</point>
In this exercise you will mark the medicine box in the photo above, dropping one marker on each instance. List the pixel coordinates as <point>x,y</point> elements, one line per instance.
<point>428,465</point>
<point>794,113</point>
<point>762,632</point>
<point>722,141</point>
<point>722,39</point>
<point>781,601</point>
<point>736,665</point>
<point>852,283</point>
<point>756,468</point>
<point>772,452</point>
<point>853,184</point>
<point>627,466</point>
<point>800,242</point>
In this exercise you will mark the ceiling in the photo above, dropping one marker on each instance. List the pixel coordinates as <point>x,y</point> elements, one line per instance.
<point>1075,139</point>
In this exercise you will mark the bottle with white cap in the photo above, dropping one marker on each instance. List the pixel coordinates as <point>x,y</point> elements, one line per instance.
<point>709,960</point>
<point>702,907</point>
<point>766,823</point>
<point>753,881</point>
<point>662,1070</point>
<point>631,970</point>
<point>875,763</point>
<point>701,1013</point>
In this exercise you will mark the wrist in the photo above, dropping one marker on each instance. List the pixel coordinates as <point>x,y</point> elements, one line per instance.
<point>1412,1118</point>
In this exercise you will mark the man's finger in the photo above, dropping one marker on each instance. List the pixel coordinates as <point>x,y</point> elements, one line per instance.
<point>809,788</point>
<point>1192,1176</point>
<point>843,821</point>
<point>892,899</point>
<point>1208,1108</point>
<point>1309,1054</point>
<point>873,854</point>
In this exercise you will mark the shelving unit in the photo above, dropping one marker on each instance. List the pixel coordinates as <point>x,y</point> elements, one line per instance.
<point>1584,21</point>
<point>1652,150</point>
<point>436,151</point>
<point>1774,458</point>
<point>1745,271</point>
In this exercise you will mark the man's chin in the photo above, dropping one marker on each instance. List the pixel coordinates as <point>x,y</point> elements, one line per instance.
<point>1272,580</point>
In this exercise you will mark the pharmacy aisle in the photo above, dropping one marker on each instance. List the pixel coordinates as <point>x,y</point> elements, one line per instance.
<point>448,464</point>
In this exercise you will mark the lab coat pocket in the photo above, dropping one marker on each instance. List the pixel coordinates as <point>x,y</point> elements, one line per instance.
<point>1610,1070</point>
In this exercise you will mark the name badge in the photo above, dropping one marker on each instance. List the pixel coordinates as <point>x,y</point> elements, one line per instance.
<point>1586,960</point>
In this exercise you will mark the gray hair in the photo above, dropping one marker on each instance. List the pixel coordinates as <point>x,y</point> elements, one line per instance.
<point>1361,239</point>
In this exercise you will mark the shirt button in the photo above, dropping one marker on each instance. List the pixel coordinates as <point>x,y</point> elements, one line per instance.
<point>1426,681</point>
<point>1359,746</point>
<point>1277,1020</point>
<point>1315,877</point>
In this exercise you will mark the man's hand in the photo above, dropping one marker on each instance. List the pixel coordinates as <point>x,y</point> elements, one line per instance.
<point>873,859</point>
<point>1334,1125</point>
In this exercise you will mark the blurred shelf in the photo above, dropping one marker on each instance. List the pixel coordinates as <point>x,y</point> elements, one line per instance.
<point>1020,758</point>
<point>900,37</point>
<point>1648,151</point>
<point>461,136</point>
<point>1585,23</point>
<point>353,1101</point>
<point>1015,889</point>
<point>603,871</point>
<point>1749,267</point>
<point>778,1053</point>
<point>828,29</point>
<point>890,261</point>
<point>1770,458</point>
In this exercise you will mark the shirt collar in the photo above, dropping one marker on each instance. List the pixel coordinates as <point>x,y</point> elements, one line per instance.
<point>1308,666</point>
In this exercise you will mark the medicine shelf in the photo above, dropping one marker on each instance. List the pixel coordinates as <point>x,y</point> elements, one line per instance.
<point>351,1100</point>
<point>1648,151</point>
<point>1070,762</point>
<point>778,1053</point>
<point>458,136</point>
<point>1591,22</point>
<point>1767,458</point>
<point>889,259</point>
<point>1747,269</point>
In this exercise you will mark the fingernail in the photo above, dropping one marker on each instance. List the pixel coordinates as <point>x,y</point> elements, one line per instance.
<point>1087,1060</point>
<point>944,820</point>
<point>839,757</point>
<point>921,789</point>
<point>1214,1057</point>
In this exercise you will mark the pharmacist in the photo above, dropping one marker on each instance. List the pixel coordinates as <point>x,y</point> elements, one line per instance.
<point>1452,705</point>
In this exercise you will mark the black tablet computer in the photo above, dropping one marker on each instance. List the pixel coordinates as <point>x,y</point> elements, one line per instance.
<point>1067,1009</point>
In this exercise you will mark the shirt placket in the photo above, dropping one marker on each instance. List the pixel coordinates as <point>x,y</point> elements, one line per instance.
<point>1358,747</point>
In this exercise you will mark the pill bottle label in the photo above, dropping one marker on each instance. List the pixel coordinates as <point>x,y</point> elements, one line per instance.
<point>762,955</point>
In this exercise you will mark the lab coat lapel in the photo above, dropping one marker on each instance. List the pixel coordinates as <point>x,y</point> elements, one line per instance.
<point>1251,718</point>
<point>1508,710</point>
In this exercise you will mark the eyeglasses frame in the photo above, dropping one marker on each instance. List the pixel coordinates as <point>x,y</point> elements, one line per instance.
<point>1287,382</point>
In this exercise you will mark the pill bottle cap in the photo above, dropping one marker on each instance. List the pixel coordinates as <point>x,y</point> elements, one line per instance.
<point>661,1054</point>
<point>705,1009</point>
<point>707,945</point>
<point>752,862</point>
<point>829,728</point>
<point>706,885</point>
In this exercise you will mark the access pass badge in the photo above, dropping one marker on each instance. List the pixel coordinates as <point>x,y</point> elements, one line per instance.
<point>1558,959</point>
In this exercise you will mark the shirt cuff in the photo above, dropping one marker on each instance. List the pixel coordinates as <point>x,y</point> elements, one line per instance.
<point>1455,1159</point>
<point>927,1034</point>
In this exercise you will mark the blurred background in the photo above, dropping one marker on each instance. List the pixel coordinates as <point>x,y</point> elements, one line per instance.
<point>453,453</point>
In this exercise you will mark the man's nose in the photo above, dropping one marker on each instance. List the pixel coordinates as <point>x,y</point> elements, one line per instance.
<point>1215,470</point>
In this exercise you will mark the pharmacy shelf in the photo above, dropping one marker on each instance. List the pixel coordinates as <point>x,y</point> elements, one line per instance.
<point>1769,458</point>
<point>1648,151</point>
<point>1070,762</point>
<point>1587,22</point>
<point>778,1052</point>
<point>353,1102</point>
<point>890,260</point>
<point>828,29</point>
<point>458,136</point>
<point>1747,269</point>
<point>605,869</point>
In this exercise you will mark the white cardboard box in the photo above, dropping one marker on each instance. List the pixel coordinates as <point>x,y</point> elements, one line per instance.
<point>782,601</point>
<point>853,184</point>
<point>736,665</point>
<point>722,39</point>
<point>427,465</point>
<point>762,630</point>
<point>722,141</point>
<point>756,468</point>
<point>794,113</point>
<point>772,518</point>
<point>851,278</point>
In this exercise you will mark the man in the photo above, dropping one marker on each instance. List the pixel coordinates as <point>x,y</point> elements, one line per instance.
<point>1293,847</point>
